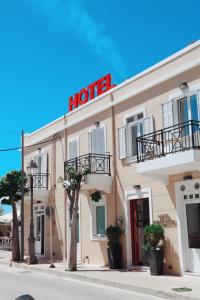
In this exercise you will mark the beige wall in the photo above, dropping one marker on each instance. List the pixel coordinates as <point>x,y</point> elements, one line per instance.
<point>123,172</point>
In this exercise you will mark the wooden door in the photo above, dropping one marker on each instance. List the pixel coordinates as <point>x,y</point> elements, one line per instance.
<point>134,232</point>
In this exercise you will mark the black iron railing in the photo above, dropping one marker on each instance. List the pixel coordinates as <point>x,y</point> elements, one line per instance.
<point>173,139</point>
<point>94,163</point>
<point>40,181</point>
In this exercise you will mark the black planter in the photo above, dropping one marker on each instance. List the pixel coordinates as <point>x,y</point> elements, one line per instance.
<point>114,256</point>
<point>156,261</point>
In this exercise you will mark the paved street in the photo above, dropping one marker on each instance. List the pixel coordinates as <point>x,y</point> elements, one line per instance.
<point>15,282</point>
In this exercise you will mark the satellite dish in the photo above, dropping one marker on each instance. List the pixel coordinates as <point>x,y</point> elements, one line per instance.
<point>49,211</point>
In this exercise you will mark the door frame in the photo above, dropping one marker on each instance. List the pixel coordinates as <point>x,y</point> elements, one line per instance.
<point>34,220</point>
<point>182,224</point>
<point>133,195</point>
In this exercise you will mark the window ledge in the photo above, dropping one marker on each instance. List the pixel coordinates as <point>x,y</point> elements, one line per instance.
<point>98,238</point>
<point>131,160</point>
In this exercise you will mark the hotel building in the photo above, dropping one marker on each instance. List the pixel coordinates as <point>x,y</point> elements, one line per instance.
<point>141,142</point>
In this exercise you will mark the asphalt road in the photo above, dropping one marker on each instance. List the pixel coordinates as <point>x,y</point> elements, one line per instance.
<point>16,282</point>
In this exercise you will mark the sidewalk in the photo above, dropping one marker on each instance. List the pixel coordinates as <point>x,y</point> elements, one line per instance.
<point>135,280</point>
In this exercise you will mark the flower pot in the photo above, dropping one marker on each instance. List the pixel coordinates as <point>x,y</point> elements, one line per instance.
<point>156,261</point>
<point>114,256</point>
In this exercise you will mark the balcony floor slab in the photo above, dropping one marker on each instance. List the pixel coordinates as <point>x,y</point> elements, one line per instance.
<point>171,164</point>
<point>39,194</point>
<point>99,182</point>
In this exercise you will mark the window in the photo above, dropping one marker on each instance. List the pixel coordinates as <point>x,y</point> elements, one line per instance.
<point>98,214</point>
<point>135,129</point>
<point>193,224</point>
<point>41,178</point>
<point>188,109</point>
<point>97,140</point>
<point>179,110</point>
<point>41,160</point>
<point>136,125</point>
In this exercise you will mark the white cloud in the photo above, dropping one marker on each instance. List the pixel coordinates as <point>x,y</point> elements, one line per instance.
<point>73,15</point>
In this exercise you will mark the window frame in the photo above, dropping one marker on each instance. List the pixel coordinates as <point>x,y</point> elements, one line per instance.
<point>176,96</point>
<point>101,125</point>
<point>187,95</point>
<point>127,116</point>
<point>93,205</point>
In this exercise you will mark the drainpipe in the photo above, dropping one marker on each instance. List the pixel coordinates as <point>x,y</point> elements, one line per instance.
<point>53,186</point>
<point>65,195</point>
<point>114,161</point>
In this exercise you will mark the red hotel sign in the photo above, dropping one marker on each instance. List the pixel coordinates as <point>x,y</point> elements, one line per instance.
<point>93,90</point>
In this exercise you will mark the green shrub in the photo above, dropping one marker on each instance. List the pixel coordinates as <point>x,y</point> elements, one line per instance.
<point>96,196</point>
<point>113,234</point>
<point>154,235</point>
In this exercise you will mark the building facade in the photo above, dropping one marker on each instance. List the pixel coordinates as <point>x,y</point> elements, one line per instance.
<point>141,141</point>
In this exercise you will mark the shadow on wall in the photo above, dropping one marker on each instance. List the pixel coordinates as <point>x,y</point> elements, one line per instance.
<point>92,251</point>
<point>102,245</point>
<point>57,238</point>
<point>122,210</point>
<point>171,264</point>
<point>57,243</point>
<point>110,221</point>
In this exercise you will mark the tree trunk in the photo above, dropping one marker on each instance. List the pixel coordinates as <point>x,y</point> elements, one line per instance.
<point>72,249</point>
<point>15,235</point>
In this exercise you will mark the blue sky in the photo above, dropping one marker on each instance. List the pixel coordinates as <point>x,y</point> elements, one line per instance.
<point>50,49</point>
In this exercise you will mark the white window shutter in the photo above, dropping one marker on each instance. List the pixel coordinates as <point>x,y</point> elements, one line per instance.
<point>101,140</point>
<point>73,149</point>
<point>97,140</point>
<point>148,125</point>
<point>44,163</point>
<point>167,113</point>
<point>122,142</point>
<point>90,141</point>
<point>198,101</point>
<point>44,169</point>
<point>92,137</point>
<point>94,141</point>
<point>130,140</point>
<point>38,160</point>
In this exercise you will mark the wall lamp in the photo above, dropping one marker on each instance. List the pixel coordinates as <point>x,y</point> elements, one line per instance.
<point>97,123</point>
<point>137,187</point>
<point>183,86</point>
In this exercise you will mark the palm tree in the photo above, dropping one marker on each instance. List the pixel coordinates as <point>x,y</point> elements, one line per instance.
<point>10,192</point>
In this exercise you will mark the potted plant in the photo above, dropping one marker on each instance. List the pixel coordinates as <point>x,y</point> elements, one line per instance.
<point>154,235</point>
<point>113,234</point>
<point>96,196</point>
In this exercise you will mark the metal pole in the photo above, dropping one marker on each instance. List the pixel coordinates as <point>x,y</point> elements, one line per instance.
<point>51,237</point>
<point>32,257</point>
<point>22,195</point>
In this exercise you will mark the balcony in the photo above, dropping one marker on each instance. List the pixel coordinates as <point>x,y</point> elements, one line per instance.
<point>98,166</point>
<point>40,185</point>
<point>169,151</point>
<point>40,181</point>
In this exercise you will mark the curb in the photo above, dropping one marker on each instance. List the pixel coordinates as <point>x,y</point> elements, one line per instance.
<point>133,288</point>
